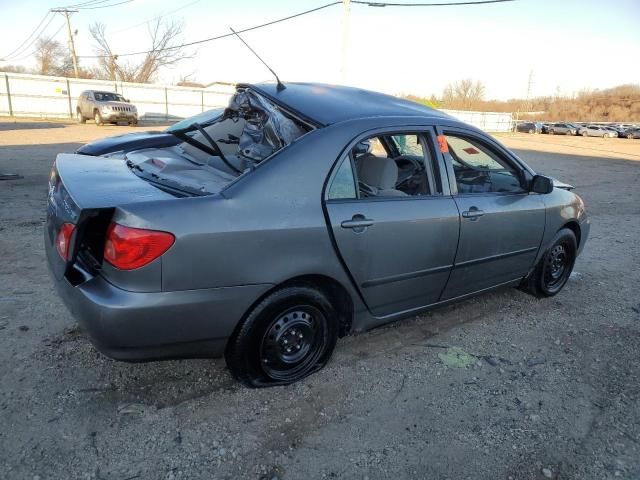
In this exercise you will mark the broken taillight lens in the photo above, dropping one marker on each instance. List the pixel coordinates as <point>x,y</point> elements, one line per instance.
<point>63,240</point>
<point>128,248</point>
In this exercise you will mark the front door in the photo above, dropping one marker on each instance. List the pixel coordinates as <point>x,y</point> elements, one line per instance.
<point>501,223</point>
<point>395,230</point>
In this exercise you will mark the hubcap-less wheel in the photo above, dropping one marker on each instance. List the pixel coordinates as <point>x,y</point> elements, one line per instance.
<point>97,118</point>
<point>557,267</point>
<point>293,343</point>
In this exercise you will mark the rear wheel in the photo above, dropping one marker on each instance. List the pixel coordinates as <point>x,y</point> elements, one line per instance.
<point>97,118</point>
<point>531,130</point>
<point>630,136</point>
<point>79,117</point>
<point>554,268</point>
<point>286,337</point>
<point>585,134</point>
<point>568,132</point>
<point>551,132</point>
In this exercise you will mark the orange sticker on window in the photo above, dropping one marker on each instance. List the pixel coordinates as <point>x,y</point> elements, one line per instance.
<point>442,142</point>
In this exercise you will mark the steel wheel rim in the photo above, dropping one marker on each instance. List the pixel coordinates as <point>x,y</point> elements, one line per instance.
<point>557,266</point>
<point>293,343</point>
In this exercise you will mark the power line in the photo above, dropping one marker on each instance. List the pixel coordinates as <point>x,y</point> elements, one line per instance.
<point>131,27</point>
<point>21,50</point>
<point>446,4</point>
<point>34,51</point>
<point>371,4</point>
<point>106,6</point>
<point>28,38</point>
<point>225,35</point>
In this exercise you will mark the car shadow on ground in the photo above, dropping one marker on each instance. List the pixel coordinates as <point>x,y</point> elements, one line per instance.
<point>30,125</point>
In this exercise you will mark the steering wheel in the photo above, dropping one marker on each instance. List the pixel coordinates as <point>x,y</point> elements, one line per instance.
<point>417,165</point>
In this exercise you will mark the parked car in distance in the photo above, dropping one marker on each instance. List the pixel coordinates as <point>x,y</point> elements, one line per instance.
<point>105,107</point>
<point>597,131</point>
<point>632,133</point>
<point>562,128</point>
<point>529,127</point>
<point>545,127</point>
<point>266,235</point>
<point>619,131</point>
<point>153,138</point>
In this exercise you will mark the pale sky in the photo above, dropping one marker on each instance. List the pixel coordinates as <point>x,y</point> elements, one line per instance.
<point>568,44</point>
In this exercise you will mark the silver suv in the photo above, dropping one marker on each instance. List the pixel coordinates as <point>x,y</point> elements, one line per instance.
<point>105,107</point>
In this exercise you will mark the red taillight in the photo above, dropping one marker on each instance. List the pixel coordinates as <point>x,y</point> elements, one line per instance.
<point>129,248</point>
<point>63,240</point>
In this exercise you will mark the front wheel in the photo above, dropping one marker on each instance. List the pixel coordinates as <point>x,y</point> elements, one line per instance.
<point>79,117</point>
<point>286,337</point>
<point>98,119</point>
<point>554,268</point>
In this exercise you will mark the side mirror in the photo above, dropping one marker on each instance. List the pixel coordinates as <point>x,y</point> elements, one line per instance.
<point>541,184</point>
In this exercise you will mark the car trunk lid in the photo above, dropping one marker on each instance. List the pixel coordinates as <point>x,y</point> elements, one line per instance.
<point>87,189</point>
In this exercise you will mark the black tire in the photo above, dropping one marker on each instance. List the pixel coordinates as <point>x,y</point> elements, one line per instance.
<point>97,118</point>
<point>554,267</point>
<point>286,337</point>
<point>79,117</point>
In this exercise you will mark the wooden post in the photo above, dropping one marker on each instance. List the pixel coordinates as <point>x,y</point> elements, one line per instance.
<point>6,81</point>
<point>166,104</point>
<point>69,98</point>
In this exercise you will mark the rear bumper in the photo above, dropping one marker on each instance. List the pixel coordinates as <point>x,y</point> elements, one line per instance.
<point>135,326</point>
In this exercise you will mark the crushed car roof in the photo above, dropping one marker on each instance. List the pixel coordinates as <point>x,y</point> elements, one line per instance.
<point>328,104</point>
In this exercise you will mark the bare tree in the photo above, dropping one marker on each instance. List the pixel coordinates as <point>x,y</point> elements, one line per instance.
<point>463,94</point>
<point>50,56</point>
<point>164,51</point>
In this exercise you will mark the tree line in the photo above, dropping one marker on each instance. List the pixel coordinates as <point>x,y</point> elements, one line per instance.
<point>617,104</point>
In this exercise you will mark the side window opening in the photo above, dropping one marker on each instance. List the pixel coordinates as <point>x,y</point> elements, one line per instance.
<point>402,167</point>
<point>480,170</point>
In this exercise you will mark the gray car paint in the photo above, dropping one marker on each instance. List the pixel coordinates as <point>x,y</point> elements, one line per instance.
<point>271,226</point>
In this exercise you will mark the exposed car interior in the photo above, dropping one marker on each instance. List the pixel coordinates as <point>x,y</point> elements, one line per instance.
<point>478,169</point>
<point>251,129</point>
<point>394,166</point>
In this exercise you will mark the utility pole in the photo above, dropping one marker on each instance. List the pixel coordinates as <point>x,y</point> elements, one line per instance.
<point>529,85</point>
<point>346,13</point>
<point>72,47</point>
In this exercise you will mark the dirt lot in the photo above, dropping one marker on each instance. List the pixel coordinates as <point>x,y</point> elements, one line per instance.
<point>552,392</point>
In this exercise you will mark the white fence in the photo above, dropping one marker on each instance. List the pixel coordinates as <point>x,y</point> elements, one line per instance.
<point>487,121</point>
<point>23,95</point>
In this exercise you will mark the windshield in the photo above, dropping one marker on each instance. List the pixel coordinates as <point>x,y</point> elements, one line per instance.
<point>108,97</point>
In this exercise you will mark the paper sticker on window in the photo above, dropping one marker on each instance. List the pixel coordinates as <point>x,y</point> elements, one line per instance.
<point>471,151</point>
<point>442,143</point>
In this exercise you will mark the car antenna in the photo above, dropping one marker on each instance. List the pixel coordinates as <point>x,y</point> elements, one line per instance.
<point>280,85</point>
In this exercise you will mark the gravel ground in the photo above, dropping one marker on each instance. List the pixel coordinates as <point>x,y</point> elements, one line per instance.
<point>550,389</point>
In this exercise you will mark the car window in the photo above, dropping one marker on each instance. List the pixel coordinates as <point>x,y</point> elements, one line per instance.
<point>343,184</point>
<point>398,165</point>
<point>478,169</point>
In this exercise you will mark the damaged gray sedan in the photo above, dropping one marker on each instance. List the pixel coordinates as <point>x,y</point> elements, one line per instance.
<point>301,214</point>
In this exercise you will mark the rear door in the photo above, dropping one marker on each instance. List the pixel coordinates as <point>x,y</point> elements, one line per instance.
<point>501,222</point>
<point>397,236</point>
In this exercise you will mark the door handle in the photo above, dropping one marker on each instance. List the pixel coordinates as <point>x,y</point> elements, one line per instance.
<point>358,222</point>
<point>473,213</point>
